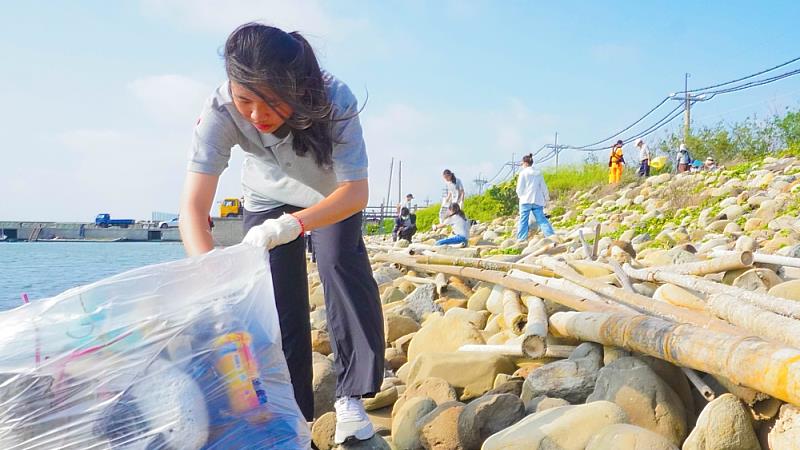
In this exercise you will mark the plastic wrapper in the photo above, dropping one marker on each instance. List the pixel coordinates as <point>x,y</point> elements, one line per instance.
<point>184,355</point>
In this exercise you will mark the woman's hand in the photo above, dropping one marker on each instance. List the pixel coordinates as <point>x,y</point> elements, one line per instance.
<point>274,232</point>
<point>198,195</point>
<point>349,198</point>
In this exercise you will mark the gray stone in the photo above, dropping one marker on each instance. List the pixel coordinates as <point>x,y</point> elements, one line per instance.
<point>323,430</point>
<point>319,319</point>
<point>622,436</point>
<point>647,400</point>
<point>572,379</point>
<point>421,302</point>
<point>786,432</point>
<point>486,416</point>
<point>542,403</point>
<point>324,384</point>
<point>724,424</point>
<point>376,442</point>
<point>406,427</point>
<point>439,428</point>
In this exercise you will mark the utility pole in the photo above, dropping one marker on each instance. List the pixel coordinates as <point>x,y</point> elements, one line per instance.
<point>389,191</point>
<point>399,182</point>
<point>688,99</point>
<point>556,149</point>
<point>480,183</point>
<point>687,106</point>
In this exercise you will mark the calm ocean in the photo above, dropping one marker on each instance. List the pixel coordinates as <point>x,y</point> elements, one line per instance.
<point>44,269</point>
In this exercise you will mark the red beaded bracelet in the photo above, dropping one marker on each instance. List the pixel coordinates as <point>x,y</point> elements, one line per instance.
<point>302,225</point>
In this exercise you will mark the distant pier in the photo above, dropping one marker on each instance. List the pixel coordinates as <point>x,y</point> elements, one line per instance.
<point>226,231</point>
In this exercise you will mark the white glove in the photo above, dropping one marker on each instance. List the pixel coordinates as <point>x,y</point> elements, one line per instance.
<point>274,232</point>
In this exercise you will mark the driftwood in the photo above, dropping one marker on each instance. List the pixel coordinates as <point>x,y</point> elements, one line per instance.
<point>559,283</point>
<point>534,336</point>
<point>763,366</point>
<point>587,250</point>
<point>641,302</point>
<point>513,316</point>
<point>477,263</point>
<point>723,263</point>
<point>777,305</point>
<point>764,258</point>
<point>623,278</point>
<point>763,323</point>
<point>596,243</point>
<point>569,300</point>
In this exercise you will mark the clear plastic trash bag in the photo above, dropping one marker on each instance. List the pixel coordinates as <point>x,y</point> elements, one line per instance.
<point>178,356</point>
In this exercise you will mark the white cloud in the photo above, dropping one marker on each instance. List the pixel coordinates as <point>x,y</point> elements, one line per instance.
<point>170,99</point>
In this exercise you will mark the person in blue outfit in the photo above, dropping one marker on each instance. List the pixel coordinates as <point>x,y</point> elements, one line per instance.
<point>304,169</point>
<point>533,197</point>
<point>458,221</point>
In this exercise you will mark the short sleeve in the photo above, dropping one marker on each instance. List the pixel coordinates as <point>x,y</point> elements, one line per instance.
<point>214,136</point>
<point>349,150</point>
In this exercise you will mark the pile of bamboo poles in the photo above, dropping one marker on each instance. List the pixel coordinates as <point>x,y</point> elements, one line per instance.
<point>750,338</point>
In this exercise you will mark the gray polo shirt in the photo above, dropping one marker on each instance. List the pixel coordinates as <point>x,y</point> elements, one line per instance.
<point>272,173</point>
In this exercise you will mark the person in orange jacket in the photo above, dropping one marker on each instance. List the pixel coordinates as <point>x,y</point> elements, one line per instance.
<point>615,163</point>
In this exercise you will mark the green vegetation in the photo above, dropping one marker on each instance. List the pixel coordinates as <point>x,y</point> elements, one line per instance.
<point>386,228</point>
<point>576,177</point>
<point>740,146</point>
<point>746,140</point>
<point>427,217</point>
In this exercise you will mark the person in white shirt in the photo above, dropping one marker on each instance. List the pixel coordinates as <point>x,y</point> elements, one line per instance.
<point>533,197</point>
<point>644,158</point>
<point>458,221</point>
<point>455,193</point>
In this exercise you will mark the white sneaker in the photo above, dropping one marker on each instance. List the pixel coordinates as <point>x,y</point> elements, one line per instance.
<point>351,420</point>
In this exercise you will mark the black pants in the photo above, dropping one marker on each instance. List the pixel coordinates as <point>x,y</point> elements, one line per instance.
<point>352,304</point>
<point>644,168</point>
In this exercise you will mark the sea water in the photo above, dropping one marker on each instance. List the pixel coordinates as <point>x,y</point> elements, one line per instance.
<point>44,269</point>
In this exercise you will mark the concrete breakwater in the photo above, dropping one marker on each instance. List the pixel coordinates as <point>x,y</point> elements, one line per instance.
<point>226,231</point>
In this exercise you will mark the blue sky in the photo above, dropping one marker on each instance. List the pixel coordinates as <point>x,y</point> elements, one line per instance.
<point>101,96</point>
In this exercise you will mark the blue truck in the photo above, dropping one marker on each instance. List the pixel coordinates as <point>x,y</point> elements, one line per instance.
<point>104,220</point>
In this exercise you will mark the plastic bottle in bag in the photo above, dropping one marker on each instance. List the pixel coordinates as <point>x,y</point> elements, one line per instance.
<point>237,367</point>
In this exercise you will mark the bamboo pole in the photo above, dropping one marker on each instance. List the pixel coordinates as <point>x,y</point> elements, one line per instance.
<point>723,263</point>
<point>596,243</point>
<point>477,263</point>
<point>641,302</point>
<point>554,351</point>
<point>534,340</point>
<point>586,249</point>
<point>623,278</point>
<point>763,366</point>
<point>560,284</point>
<point>777,305</point>
<point>569,300</point>
<point>418,280</point>
<point>766,324</point>
<point>513,316</point>
<point>764,258</point>
<point>698,383</point>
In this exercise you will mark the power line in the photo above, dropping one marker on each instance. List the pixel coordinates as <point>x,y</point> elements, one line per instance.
<point>665,100</point>
<point>747,77</point>
<point>706,94</point>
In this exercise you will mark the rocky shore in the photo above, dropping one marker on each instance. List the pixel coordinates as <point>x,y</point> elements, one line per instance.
<point>663,315</point>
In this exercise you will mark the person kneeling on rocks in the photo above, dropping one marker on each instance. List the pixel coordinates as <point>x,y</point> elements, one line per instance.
<point>456,219</point>
<point>405,225</point>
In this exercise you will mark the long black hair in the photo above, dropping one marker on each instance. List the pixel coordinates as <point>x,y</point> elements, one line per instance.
<point>262,57</point>
<point>450,176</point>
<point>528,159</point>
<point>455,210</point>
